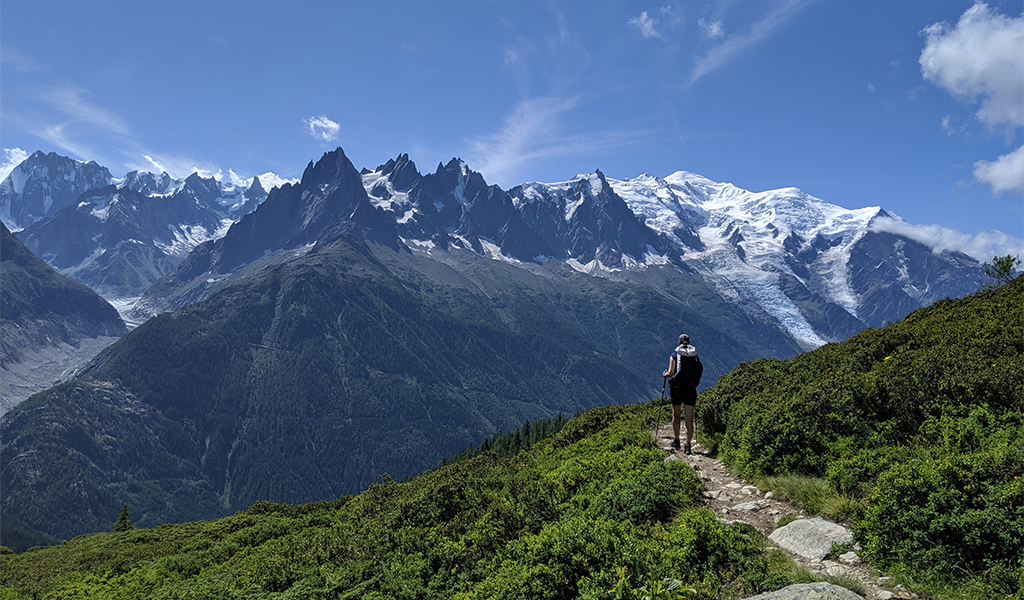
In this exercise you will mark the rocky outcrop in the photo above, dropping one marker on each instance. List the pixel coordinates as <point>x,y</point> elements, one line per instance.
<point>810,591</point>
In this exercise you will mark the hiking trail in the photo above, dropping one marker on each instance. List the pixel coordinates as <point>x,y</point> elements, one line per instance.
<point>735,499</point>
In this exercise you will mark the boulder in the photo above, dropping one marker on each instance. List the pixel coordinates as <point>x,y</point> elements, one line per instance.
<point>811,538</point>
<point>810,591</point>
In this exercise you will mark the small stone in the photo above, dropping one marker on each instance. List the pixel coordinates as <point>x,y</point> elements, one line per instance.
<point>734,486</point>
<point>725,511</point>
<point>885,595</point>
<point>769,495</point>
<point>773,512</point>
<point>834,569</point>
<point>749,489</point>
<point>672,458</point>
<point>884,580</point>
<point>849,558</point>
<point>748,507</point>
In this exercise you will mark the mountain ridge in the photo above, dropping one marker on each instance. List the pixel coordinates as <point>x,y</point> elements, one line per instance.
<point>810,267</point>
<point>125,233</point>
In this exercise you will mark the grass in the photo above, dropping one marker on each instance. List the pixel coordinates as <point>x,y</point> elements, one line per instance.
<point>814,495</point>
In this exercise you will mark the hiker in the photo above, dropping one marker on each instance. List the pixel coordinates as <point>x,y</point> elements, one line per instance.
<point>684,371</point>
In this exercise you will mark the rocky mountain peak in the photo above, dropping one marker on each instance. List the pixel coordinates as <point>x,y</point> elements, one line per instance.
<point>255,190</point>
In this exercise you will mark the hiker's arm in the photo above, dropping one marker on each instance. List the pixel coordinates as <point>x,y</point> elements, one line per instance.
<point>671,367</point>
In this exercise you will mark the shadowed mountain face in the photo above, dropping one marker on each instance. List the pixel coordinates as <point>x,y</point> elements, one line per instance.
<point>49,324</point>
<point>321,367</point>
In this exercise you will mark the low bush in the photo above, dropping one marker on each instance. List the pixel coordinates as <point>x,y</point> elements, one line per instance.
<point>913,432</point>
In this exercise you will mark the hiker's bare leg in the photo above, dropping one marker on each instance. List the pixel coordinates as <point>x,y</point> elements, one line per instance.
<point>688,415</point>
<point>675,420</point>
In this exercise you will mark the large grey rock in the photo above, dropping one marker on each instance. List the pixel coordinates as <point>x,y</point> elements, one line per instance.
<point>810,591</point>
<point>811,538</point>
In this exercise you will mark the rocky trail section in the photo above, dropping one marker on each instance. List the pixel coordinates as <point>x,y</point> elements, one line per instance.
<point>808,540</point>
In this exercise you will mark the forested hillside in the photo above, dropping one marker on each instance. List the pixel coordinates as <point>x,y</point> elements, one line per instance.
<point>593,511</point>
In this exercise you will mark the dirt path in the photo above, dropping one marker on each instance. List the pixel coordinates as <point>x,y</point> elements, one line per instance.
<point>734,499</point>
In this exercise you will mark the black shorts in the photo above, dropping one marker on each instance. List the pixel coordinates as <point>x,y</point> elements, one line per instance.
<point>686,394</point>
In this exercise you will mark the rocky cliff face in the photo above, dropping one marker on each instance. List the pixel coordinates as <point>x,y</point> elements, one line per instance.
<point>49,325</point>
<point>44,184</point>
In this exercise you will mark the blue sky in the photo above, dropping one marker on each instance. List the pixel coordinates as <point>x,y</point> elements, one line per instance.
<point>915,106</point>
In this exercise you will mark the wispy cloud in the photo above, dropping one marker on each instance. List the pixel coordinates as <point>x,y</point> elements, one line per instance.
<point>711,30</point>
<point>72,101</point>
<point>982,246</point>
<point>980,60</point>
<point>734,45</point>
<point>178,167</point>
<point>655,27</point>
<point>646,26</point>
<point>322,128</point>
<point>534,132</point>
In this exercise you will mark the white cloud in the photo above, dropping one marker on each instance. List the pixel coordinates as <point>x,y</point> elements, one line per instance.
<point>1004,174</point>
<point>322,128</point>
<point>71,100</point>
<point>534,132</point>
<point>11,158</point>
<point>712,30</point>
<point>178,167</point>
<point>654,28</point>
<point>733,45</point>
<point>982,246</point>
<point>646,26</point>
<point>980,58</point>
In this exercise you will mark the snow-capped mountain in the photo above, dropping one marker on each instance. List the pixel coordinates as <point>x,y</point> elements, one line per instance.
<point>816,271</point>
<point>43,184</point>
<point>819,271</point>
<point>118,235</point>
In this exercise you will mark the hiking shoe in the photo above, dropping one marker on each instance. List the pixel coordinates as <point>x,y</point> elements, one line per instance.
<point>675,443</point>
<point>686,448</point>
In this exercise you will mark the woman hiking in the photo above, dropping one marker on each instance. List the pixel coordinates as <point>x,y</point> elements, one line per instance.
<point>684,371</point>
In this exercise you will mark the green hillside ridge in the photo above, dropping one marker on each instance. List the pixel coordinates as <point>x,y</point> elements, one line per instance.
<point>916,428</point>
<point>591,509</point>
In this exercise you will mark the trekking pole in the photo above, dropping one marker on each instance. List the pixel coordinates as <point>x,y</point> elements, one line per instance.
<point>663,380</point>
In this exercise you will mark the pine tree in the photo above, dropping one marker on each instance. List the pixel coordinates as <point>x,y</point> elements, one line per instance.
<point>123,524</point>
<point>1002,270</point>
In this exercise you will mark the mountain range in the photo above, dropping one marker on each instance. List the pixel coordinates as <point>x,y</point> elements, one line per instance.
<point>816,271</point>
<point>116,235</point>
<point>358,323</point>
